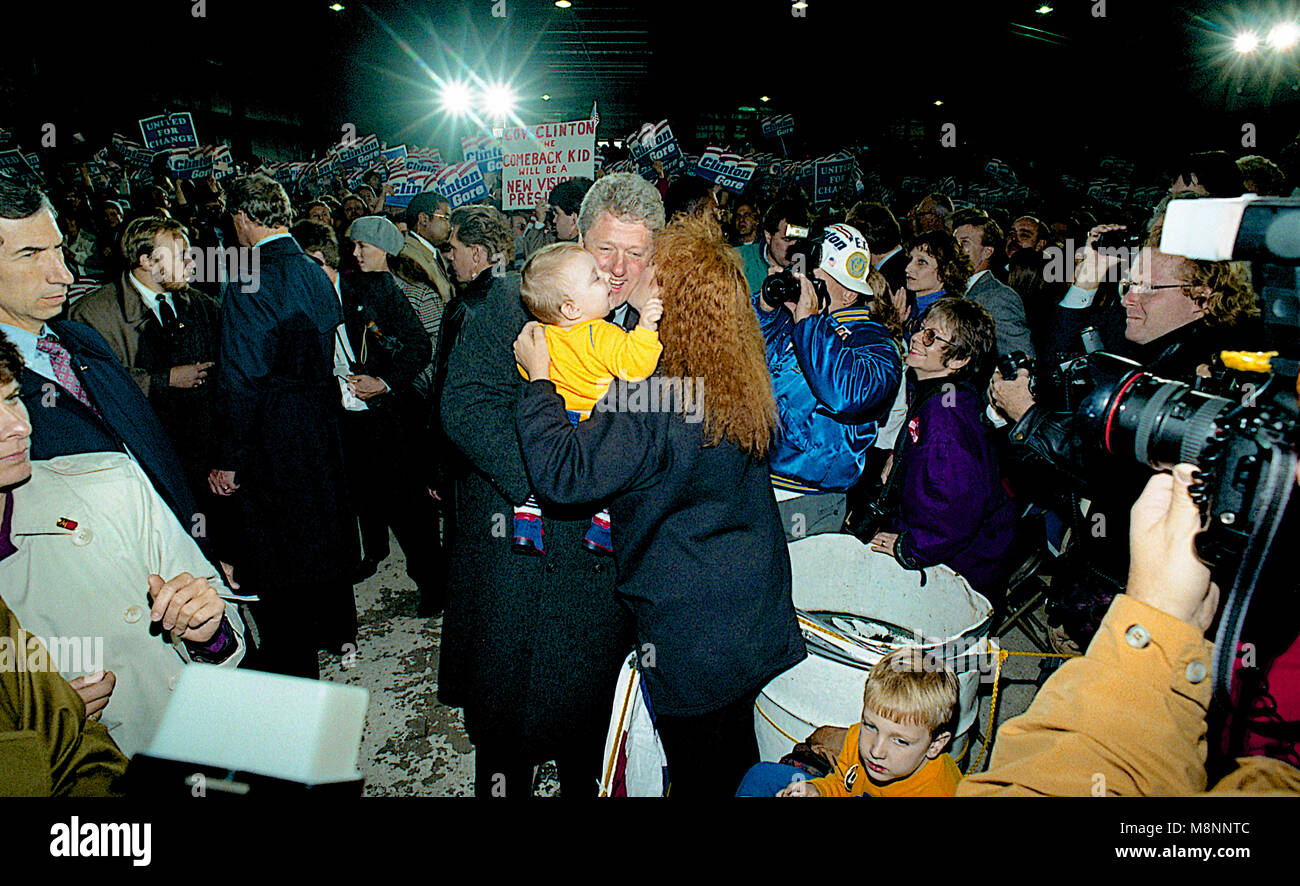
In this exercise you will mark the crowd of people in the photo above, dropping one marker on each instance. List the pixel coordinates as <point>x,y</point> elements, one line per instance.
<point>592,428</point>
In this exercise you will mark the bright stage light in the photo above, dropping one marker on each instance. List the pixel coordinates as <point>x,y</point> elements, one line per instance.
<point>456,98</point>
<point>1284,36</point>
<point>1246,42</point>
<point>499,101</point>
<point>563,4</point>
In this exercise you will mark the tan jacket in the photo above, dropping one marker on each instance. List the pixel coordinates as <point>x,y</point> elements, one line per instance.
<point>116,312</point>
<point>1127,719</point>
<point>90,529</point>
<point>422,255</point>
<point>47,746</point>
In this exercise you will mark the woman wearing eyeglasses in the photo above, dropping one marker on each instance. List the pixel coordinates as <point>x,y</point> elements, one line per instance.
<point>944,480</point>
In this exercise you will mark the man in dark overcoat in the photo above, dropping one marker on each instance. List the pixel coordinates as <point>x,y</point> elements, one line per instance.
<point>279,452</point>
<point>531,646</point>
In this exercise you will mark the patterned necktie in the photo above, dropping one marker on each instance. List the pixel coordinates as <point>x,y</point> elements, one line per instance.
<point>61,360</point>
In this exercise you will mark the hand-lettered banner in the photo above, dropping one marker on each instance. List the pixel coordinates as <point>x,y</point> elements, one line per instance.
<point>537,158</point>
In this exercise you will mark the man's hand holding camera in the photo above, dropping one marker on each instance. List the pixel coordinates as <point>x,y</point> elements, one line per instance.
<point>808,304</point>
<point>1164,570</point>
<point>1011,396</point>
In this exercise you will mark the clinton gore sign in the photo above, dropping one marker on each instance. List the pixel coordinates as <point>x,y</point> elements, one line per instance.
<point>537,158</point>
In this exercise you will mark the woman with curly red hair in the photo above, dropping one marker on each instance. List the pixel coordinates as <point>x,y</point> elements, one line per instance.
<point>681,460</point>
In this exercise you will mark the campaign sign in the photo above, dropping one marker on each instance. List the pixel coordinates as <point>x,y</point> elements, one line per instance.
<point>657,142</point>
<point>15,165</point>
<point>392,155</point>
<point>537,158</point>
<point>778,125</point>
<point>167,131</point>
<point>189,163</point>
<point>414,183</point>
<point>725,169</point>
<point>461,183</point>
<point>829,175</point>
<point>484,150</point>
<point>132,154</point>
<point>361,153</point>
<point>223,162</point>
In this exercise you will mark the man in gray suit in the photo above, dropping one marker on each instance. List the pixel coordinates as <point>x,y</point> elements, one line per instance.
<point>981,240</point>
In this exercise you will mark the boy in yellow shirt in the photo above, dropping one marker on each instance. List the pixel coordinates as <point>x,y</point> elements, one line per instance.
<point>909,706</point>
<point>566,290</point>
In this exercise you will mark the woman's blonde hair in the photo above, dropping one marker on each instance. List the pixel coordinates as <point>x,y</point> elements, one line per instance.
<point>709,331</point>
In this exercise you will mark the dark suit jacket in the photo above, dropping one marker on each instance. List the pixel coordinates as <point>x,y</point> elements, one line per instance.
<point>62,426</point>
<point>386,337</point>
<point>277,406</point>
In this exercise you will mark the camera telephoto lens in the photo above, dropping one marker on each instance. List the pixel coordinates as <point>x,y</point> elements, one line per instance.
<point>1161,423</point>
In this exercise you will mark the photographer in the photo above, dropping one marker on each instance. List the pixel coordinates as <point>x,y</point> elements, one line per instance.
<point>1180,313</point>
<point>1129,718</point>
<point>835,370</point>
<point>777,240</point>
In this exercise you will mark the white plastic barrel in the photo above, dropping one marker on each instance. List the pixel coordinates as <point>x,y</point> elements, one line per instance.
<point>884,606</point>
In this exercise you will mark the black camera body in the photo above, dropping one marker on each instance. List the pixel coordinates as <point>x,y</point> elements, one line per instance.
<point>1132,413</point>
<point>1010,364</point>
<point>1121,239</point>
<point>783,287</point>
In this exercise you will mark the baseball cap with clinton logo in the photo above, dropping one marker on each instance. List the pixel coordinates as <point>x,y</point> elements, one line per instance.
<point>847,257</point>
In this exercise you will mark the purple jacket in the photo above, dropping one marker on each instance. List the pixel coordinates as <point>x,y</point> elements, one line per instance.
<point>953,509</point>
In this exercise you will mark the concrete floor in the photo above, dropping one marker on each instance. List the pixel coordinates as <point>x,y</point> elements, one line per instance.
<point>414,746</point>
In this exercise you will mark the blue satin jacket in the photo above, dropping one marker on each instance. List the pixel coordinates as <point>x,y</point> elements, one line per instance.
<point>834,377</point>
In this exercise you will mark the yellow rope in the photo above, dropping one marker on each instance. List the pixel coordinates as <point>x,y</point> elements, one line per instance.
<point>1003,655</point>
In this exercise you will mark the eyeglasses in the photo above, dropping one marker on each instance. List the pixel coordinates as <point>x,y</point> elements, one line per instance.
<point>1137,290</point>
<point>929,336</point>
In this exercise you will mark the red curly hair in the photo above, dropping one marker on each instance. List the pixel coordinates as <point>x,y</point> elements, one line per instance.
<point>709,331</point>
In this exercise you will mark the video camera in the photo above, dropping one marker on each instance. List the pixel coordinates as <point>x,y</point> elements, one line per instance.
<point>805,255</point>
<point>1244,446</point>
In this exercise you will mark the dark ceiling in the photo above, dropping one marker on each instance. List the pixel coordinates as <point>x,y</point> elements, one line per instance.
<point>1113,72</point>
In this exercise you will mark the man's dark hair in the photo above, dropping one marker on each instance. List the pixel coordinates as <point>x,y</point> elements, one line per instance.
<point>141,235</point>
<point>313,236</point>
<point>792,209</point>
<point>990,234</point>
<point>11,361</point>
<point>427,203</point>
<point>261,198</point>
<point>567,195</point>
<point>967,216</point>
<point>480,225</point>
<point>19,199</point>
<point>687,196</point>
<point>875,222</point>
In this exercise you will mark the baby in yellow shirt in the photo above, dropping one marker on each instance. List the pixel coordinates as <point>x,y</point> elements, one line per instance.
<point>566,290</point>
